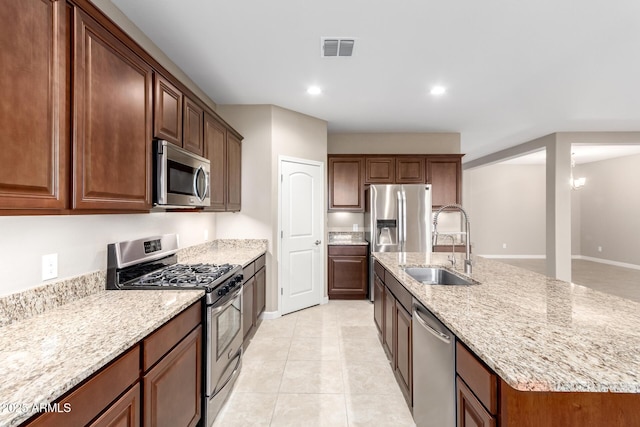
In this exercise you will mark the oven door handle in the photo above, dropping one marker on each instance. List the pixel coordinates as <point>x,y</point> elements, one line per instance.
<point>216,310</point>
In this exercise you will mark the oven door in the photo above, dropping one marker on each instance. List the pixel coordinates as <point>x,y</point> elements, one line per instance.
<point>182,178</point>
<point>224,341</point>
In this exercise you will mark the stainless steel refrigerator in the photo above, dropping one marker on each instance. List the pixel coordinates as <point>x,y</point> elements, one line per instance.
<point>397,219</point>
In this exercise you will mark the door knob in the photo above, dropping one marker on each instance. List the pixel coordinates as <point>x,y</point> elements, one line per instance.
<point>317,242</point>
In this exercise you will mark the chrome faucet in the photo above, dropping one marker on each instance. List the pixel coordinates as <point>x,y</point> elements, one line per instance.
<point>467,260</point>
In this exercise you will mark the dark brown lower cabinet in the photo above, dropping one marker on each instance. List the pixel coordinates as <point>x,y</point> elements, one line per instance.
<point>124,413</point>
<point>378,291</point>
<point>471,413</point>
<point>348,271</point>
<point>248,313</point>
<point>260,291</point>
<point>403,359</point>
<point>388,312</point>
<point>172,388</point>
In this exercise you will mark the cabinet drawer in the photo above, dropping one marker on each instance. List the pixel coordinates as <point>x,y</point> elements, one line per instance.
<point>164,339</point>
<point>478,377</point>
<point>96,394</point>
<point>259,263</point>
<point>379,269</point>
<point>400,292</point>
<point>347,250</point>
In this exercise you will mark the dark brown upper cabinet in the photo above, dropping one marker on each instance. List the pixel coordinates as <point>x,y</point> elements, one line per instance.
<point>34,115</point>
<point>444,174</point>
<point>410,170</point>
<point>224,150</point>
<point>193,127</point>
<point>346,183</point>
<point>380,170</point>
<point>167,111</point>
<point>112,161</point>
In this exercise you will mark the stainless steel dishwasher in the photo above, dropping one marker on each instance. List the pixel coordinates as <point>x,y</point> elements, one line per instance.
<point>434,371</point>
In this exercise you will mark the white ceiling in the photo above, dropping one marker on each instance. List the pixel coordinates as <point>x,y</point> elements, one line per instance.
<point>514,71</point>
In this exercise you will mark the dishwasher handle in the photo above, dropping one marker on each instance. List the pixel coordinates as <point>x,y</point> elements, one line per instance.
<point>442,337</point>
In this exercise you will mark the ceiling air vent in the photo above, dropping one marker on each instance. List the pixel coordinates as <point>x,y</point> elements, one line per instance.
<point>335,46</point>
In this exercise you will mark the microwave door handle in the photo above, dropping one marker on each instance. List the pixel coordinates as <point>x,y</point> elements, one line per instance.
<point>163,173</point>
<point>195,184</point>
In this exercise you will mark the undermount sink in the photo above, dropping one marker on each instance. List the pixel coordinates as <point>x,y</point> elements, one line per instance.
<point>436,276</point>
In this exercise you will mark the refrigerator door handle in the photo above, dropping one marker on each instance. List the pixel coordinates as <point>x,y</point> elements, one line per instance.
<point>404,220</point>
<point>400,218</point>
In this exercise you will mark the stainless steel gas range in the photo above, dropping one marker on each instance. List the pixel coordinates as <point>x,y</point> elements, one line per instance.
<point>151,263</point>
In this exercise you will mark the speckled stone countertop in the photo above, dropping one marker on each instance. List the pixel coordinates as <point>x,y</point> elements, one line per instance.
<point>55,336</point>
<point>535,332</point>
<point>45,356</point>
<point>346,238</point>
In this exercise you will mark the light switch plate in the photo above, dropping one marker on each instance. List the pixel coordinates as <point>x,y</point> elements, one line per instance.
<point>49,266</point>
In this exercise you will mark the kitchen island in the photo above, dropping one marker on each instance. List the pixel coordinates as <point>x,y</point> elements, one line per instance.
<point>565,354</point>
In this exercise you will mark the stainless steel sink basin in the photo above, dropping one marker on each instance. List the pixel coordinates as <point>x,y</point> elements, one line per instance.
<point>436,276</point>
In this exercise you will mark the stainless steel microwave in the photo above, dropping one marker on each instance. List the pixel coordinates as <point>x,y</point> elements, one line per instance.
<point>181,178</point>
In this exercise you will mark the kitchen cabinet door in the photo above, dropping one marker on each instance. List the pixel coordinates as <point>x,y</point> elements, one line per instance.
<point>348,272</point>
<point>471,413</point>
<point>234,172</point>
<point>260,292</point>
<point>167,111</point>
<point>112,162</point>
<point>125,412</point>
<point>445,176</point>
<point>248,313</point>
<point>389,322</point>
<point>380,170</point>
<point>215,149</point>
<point>410,170</point>
<point>346,186</point>
<point>193,117</point>
<point>403,357</point>
<point>172,388</point>
<point>34,119</point>
<point>378,292</point>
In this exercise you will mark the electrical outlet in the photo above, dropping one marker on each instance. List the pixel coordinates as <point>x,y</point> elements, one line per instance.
<point>599,248</point>
<point>206,235</point>
<point>49,266</point>
<point>504,246</point>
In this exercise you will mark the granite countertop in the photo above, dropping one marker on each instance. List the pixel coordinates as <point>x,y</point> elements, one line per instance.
<point>346,238</point>
<point>45,354</point>
<point>535,332</point>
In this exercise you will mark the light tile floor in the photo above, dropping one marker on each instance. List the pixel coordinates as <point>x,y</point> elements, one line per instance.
<point>323,366</point>
<point>620,281</point>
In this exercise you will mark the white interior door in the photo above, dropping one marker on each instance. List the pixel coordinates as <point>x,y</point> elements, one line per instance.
<point>302,228</point>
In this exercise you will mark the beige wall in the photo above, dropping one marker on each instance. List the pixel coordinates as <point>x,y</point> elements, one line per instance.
<point>81,241</point>
<point>394,143</point>
<point>610,209</point>
<point>269,132</point>
<point>506,204</point>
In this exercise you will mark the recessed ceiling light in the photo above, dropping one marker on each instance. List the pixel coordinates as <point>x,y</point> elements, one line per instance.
<point>438,90</point>
<point>314,90</point>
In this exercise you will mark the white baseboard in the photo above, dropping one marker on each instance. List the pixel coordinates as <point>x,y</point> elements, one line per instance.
<point>268,315</point>
<point>325,300</point>
<point>513,256</point>
<point>607,261</point>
